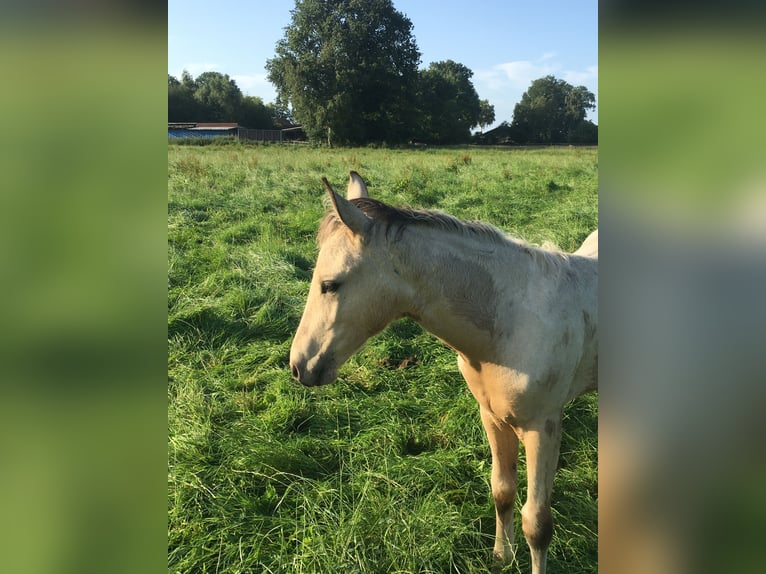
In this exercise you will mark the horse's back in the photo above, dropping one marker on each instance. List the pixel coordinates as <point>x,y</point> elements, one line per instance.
<point>589,247</point>
<point>586,378</point>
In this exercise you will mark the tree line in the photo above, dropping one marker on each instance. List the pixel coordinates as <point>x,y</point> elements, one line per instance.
<point>348,71</point>
<point>550,111</point>
<point>215,97</point>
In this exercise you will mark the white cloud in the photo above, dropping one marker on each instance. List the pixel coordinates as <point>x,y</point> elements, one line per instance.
<point>250,84</point>
<point>589,76</point>
<point>522,73</point>
<point>196,68</point>
<point>503,84</point>
<point>255,85</point>
<point>519,73</point>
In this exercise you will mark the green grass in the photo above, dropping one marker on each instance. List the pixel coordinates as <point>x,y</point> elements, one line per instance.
<point>388,469</point>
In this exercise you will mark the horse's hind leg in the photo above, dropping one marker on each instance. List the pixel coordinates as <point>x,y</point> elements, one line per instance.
<point>505,450</point>
<point>542,442</point>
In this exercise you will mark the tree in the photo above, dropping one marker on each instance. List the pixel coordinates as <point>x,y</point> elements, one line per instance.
<point>182,107</point>
<point>219,97</point>
<point>551,111</point>
<point>347,68</point>
<point>586,132</point>
<point>253,113</point>
<point>486,114</point>
<point>188,82</point>
<point>214,97</point>
<point>448,104</point>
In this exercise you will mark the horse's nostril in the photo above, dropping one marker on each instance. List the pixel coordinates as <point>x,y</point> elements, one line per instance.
<point>296,374</point>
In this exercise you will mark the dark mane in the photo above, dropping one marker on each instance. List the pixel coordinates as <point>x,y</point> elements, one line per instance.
<point>395,220</point>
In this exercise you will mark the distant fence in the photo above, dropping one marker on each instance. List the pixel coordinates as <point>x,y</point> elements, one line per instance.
<point>259,135</point>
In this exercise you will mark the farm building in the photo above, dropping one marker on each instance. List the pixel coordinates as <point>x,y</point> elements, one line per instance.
<point>500,135</point>
<point>202,130</point>
<point>222,129</point>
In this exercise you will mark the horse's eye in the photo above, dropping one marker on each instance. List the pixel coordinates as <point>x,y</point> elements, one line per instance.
<point>330,286</point>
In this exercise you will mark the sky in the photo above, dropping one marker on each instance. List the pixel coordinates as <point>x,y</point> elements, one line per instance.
<point>506,43</point>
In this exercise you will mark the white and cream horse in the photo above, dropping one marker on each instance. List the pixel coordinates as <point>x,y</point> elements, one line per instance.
<point>523,321</point>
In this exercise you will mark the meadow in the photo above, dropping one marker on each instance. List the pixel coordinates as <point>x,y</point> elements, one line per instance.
<point>387,470</point>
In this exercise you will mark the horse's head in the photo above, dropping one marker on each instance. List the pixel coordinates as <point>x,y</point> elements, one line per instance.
<point>353,292</point>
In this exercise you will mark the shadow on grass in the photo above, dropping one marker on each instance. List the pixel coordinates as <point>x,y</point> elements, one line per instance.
<point>208,325</point>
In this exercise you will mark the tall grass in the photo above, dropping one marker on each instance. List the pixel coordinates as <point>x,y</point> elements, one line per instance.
<point>388,469</point>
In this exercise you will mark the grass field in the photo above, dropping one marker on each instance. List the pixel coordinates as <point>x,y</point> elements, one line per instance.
<point>388,469</point>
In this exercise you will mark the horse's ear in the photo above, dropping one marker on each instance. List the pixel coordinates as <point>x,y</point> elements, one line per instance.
<point>349,214</point>
<point>356,186</point>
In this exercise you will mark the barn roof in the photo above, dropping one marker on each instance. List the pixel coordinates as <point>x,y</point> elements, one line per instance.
<point>203,125</point>
<point>214,125</point>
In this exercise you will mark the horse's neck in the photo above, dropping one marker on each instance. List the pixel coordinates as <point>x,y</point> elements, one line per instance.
<point>457,285</point>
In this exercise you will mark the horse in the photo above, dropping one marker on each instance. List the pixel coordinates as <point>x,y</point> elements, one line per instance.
<point>522,319</point>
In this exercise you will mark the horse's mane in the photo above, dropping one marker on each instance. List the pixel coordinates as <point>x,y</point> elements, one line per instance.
<point>396,219</point>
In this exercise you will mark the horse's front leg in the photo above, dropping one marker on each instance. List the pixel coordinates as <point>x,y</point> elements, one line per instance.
<point>504,445</point>
<point>542,442</point>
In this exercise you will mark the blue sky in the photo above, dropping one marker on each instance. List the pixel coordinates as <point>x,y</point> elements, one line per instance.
<point>506,43</point>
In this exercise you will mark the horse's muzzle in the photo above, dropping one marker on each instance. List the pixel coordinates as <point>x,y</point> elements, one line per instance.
<point>320,374</point>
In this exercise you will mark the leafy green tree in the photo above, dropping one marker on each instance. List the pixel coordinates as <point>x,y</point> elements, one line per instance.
<point>448,103</point>
<point>182,107</point>
<point>486,114</point>
<point>188,82</point>
<point>214,97</point>
<point>219,97</point>
<point>550,111</point>
<point>348,69</point>
<point>253,113</point>
<point>585,132</point>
